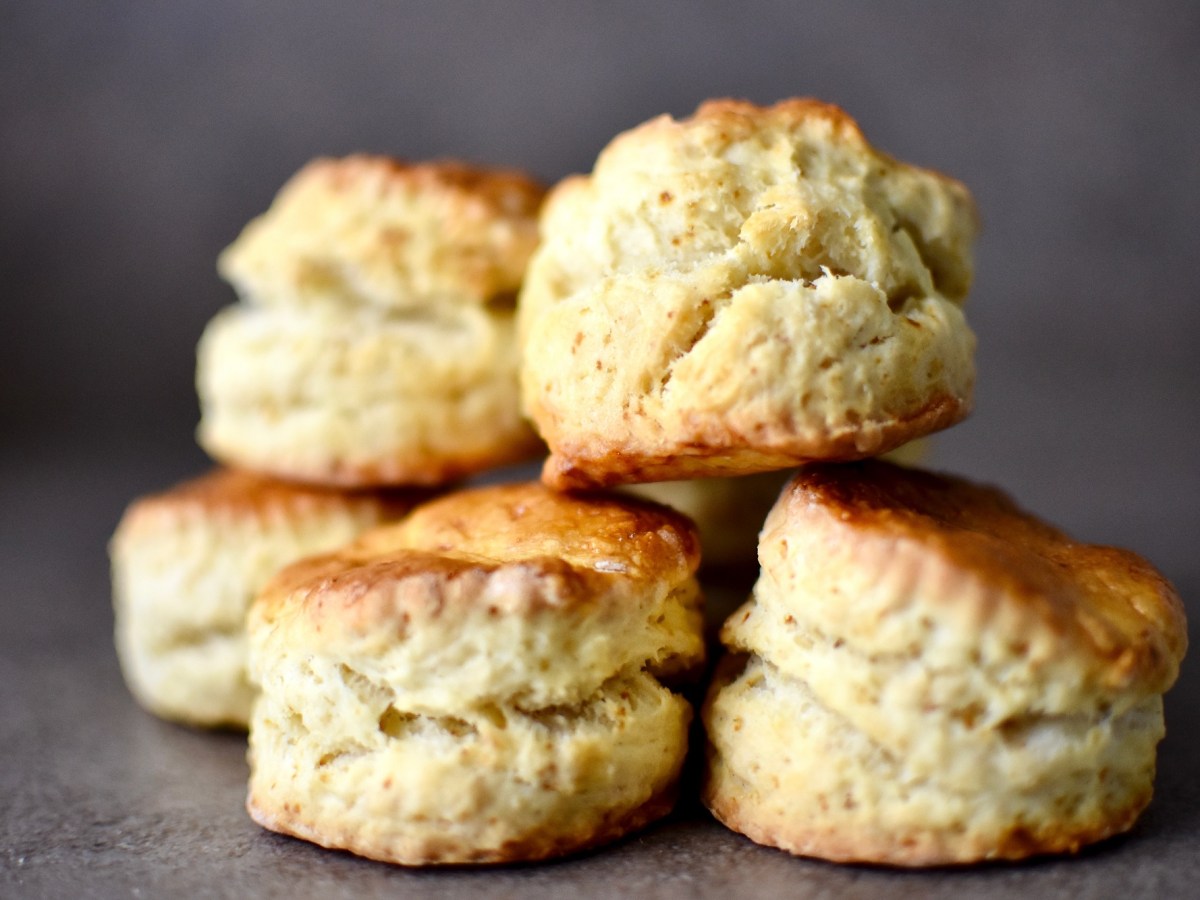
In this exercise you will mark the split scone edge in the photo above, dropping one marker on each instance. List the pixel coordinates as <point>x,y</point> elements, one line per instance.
<point>362,397</point>
<point>480,683</point>
<point>186,563</point>
<point>927,675</point>
<point>373,343</point>
<point>744,290</point>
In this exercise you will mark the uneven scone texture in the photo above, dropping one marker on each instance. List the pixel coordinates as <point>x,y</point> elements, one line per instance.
<point>187,562</point>
<point>927,675</point>
<point>374,344</point>
<point>362,397</point>
<point>744,290</point>
<point>373,231</point>
<point>480,682</point>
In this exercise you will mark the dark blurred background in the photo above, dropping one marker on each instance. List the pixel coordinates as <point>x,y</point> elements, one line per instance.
<point>137,138</point>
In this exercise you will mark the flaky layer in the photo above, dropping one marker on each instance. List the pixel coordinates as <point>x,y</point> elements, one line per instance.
<point>892,590</point>
<point>479,683</point>
<point>357,398</point>
<point>508,593</point>
<point>341,760</point>
<point>744,290</point>
<point>186,564</point>
<point>372,231</point>
<point>935,676</point>
<point>791,772</point>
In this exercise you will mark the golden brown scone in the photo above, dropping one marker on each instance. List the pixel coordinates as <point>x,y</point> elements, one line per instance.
<point>362,397</point>
<point>928,675</point>
<point>479,683</point>
<point>741,291</point>
<point>375,342</point>
<point>187,562</point>
<point>373,231</point>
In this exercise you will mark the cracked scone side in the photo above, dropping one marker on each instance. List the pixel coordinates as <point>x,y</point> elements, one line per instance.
<point>362,397</point>
<point>744,290</point>
<point>445,691</point>
<point>927,675</point>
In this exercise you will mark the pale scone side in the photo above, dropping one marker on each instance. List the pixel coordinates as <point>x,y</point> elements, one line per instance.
<point>744,290</point>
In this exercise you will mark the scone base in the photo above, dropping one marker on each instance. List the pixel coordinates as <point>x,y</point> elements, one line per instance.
<point>447,851</point>
<point>770,796</point>
<point>915,848</point>
<point>600,463</point>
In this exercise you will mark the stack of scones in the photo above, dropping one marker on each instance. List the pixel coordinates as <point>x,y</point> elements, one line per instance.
<point>741,308</point>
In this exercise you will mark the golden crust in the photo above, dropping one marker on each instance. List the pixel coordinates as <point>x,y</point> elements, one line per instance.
<point>597,463</point>
<point>729,512</point>
<point>953,679</point>
<point>745,290</point>
<point>480,683</point>
<point>378,231</point>
<point>562,548</point>
<point>1106,610</point>
<point>223,495</point>
<point>493,191</point>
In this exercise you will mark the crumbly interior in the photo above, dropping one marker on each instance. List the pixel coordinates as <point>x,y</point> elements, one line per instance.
<point>487,780</point>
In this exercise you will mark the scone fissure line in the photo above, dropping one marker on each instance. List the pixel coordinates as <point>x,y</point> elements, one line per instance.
<point>933,677</point>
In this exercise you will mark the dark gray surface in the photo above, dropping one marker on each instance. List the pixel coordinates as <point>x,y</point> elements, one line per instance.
<point>136,138</point>
<point>103,800</point>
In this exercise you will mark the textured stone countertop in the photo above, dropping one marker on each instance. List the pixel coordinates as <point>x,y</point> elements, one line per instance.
<point>99,799</point>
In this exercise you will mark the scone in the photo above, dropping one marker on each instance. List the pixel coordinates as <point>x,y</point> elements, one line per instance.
<point>927,675</point>
<point>375,343</point>
<point>480,683</point>
<point>744,290</point>
<point>187,562</point>
<point>729,512</point>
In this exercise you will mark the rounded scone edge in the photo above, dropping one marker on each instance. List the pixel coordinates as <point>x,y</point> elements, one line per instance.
<point>587,670</point>
<point>607,428</point>
<point>926,625</point>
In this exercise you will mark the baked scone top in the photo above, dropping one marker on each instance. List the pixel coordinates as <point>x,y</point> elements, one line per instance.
<point>377,231</point>
<point>790,191</point>
<point>895,561</point>
<point>227,495</point>
<point>505,590</point>
<point>744,291</point>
